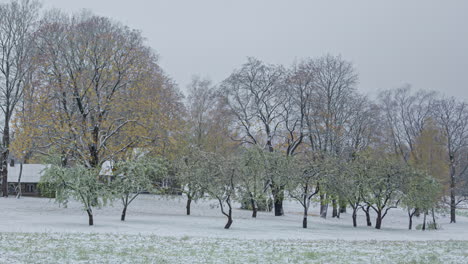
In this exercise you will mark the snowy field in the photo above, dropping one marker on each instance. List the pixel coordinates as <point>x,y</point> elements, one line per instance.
<point>37,230</point>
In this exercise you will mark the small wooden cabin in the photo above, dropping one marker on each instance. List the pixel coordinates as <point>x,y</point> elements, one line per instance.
<point>30,176</point>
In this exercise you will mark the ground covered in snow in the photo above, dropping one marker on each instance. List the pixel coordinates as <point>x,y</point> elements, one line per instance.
<point>115,248</point>
<point>37,230</point>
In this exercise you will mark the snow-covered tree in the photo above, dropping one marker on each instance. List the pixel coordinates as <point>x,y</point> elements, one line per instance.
<point>219,182</point>
<point>189,171</point>
<point>133,177</point>
<point>349,183</point>
<point>304,181</point>
<point>383,186</point>
<point>78,183</point>
<point>252,176</point>
<point>420,192</point>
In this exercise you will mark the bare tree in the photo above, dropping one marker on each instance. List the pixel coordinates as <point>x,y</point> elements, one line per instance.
<point>405,115</point>
<point>333,87</point>
<point>17,23</point>
<point>201,102</point>
<point>254,95</point>
<point>209,118</point>
<point>363,126</point>
<point>452,116</point>
<point>208,123</point>
<point>296,103</point>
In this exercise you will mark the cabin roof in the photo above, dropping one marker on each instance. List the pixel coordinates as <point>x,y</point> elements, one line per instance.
<point>32,173</point>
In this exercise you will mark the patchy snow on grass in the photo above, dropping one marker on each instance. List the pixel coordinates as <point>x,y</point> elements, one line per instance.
<point>37,230</point>
<point>115,248</point>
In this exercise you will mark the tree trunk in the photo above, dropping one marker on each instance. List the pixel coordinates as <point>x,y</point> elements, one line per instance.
<point>277,191</point>
<point>279,207</point>
<point>378,221</point>
<point>434,219</point>
<point>4,158</point>
<point>4,174</point>
<point>90,217</point>
<point>424,222</point>
<point>229,214</point>
<point>124,212</point>
<point>229,223</point>
<point>355,217</point>
<point>93,151</point>
<point>18,195</point>
<point>368,219</point>
<point>304,221</point>
<point>335,209</point>
<point>254,208</point>
<point>189,202</point>
<point>453,204</point>
<point>278,195</point>
<point>410,215</point>
<point>323,206</point>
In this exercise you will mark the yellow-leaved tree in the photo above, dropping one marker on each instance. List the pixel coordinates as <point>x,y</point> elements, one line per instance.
<point>429,153</point>
<point>98,93</point>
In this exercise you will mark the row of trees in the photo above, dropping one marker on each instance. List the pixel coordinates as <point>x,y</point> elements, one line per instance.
<point>88,90</point>
<point>88,186</point>
<point>371,180</point>
<point>313,110</point>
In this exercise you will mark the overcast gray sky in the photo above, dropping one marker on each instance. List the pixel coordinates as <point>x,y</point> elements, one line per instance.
<point>395,42</point>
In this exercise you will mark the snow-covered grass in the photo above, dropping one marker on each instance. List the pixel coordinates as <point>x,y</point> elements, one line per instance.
<point>35,230</point>
<point>115,248</point>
